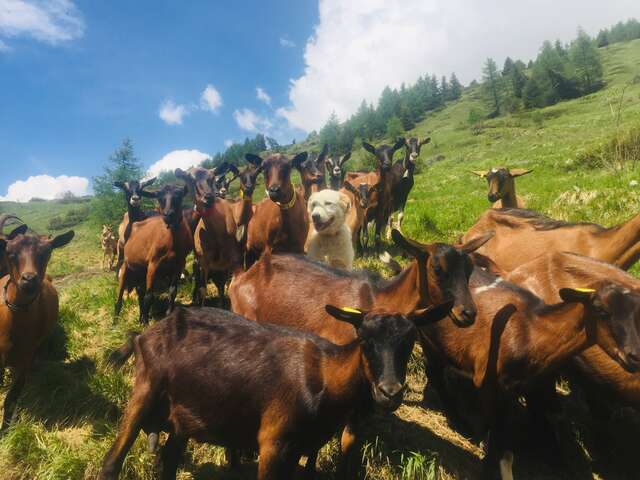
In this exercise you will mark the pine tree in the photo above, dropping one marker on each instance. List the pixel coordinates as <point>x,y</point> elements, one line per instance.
<point>330,133</point>
<point>394,128</point>
<point>455,87</point>
<point>603,39</point>
<point>492,86</point>
<point>586,61</point>
<point>562,51</point>
<point>444,89</point>
<point>532,95</point>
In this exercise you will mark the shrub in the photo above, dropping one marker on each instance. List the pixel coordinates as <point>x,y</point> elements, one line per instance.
<point>621,151</point>
<point>73,217</point>
<point>538,118</point>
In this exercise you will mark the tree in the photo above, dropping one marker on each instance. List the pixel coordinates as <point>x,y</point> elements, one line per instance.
<point>394,128</point>
<point>602,40</point>
<point>273,144</point>
<point>444,89</point>
<point>562,51</point>
<point>586,61</point>
<point>122,165</point>
<point>406,117</point>
<point>455,87</point>
<point>330,133</point>
<point>492,86</point>
<point>532,95</point>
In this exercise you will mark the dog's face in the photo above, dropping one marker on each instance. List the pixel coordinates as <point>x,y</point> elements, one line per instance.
<point>327,210</point>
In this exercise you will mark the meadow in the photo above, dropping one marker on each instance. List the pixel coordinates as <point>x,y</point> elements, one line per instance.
<point>72,402</point>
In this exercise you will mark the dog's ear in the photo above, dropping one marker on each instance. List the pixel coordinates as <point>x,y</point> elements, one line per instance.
<point>345,203</point>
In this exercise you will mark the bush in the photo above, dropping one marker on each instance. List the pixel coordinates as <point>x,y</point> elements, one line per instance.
<point>621,151</point>
<point>538,118</point>
<point>73,217</point>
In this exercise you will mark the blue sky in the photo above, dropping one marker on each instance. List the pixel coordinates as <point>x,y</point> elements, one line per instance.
<point>180,78</point>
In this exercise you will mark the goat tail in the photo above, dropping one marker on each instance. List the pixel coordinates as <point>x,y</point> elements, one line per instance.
<point>391,263</point>
<point>119,357</point>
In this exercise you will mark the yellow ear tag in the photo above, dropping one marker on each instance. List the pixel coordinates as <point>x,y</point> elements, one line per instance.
<point>350,310</point>
<point>585,290</point>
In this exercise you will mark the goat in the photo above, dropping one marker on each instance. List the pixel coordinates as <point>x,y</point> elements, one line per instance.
<point>223,182</point>
<point>388,179</point>
<point>502,186</point>
<point>312,174</point>
<point>335,169</point>
<point>403,173</point>
<point>4,218</point>
<point>521,235</point>
<point>133,193</point>
<point>368,184</point>
<point>157,249</point>
<point>596,372</point>
<point>29,307</point>
<point>359,198</point>
<point>286,392</point>
<point>109,247</point>
<point>517,339</point>
<point>280,222</point>
<point>243,208</point>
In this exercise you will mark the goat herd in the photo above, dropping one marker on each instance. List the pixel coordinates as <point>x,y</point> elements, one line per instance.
<point>312,347</point>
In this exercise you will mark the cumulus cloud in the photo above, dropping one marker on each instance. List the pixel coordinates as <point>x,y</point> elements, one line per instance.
<point>286,42</point>
<point>49,21</point>
<point>228,142</point>
<point>177,159</point>
<point>263,96</point>
<point>210,99</point>
<point>172,113</point>
<point>360,46</point>
<point>250,121</point>
<point>45,186</point>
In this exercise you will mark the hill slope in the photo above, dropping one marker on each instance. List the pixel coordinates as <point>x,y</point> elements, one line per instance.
<point>72,402</point>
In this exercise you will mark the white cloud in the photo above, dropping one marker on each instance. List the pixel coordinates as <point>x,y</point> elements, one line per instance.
<point>360,46</point>
<point>263,96</point>
<point>50,21</point>
<point>286,42</point>
<point>228,142</point>
<point>172,113</point>
<point>45,186</point>
<point>210,99</point>
<point>250,121</point>
<point>177,159</point>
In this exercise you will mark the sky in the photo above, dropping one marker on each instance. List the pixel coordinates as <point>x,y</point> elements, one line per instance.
<point>184,80</point>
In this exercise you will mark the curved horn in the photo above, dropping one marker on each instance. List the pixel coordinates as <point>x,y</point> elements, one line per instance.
<point>4,218</point>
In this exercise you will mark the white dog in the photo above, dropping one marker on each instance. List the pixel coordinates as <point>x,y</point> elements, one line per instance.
<point>330,238</point>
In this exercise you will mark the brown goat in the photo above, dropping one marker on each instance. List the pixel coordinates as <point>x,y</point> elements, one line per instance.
<point>285,393</point>
<point>502,186</point>
<point>156,250</point>
<point>4,218</point>
<point>280,222</point>
<point>109,247</point>
<point>371,182</point>
<point>243,207</point>
<point>516,340</point>
<point>29,306</point>
<point>312,174</point>
<point>359,198</point>
<point>597,372</point>
<point>388,180</point>
<point>440,272</point>
<point>521,235</point>
<point>133,193</point>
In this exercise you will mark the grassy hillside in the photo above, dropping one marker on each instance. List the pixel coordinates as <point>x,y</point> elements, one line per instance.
<point>71,404</point>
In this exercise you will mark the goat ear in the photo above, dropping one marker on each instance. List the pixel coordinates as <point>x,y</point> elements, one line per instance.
<point>20,230</point>
<point>480,173</point>
<point>369,148</point>
<point>62,239</point>
<point>119,185</point>
<point>221,169</point>
<point>518,172</point>
<point>577,295</point>
<point>347,186</point>
<point>431,314</point>
<point>413,248</point>
<point>253,159</point>
<point>299,159</point>
<point>399,143</point>
<point>425,141</point>
<point>147,194</point>
<point>233,169</point>
<point>345,158</point>
<point>346,314</point>
<point>146,183</point>
<point>323,153</point>
<point>475,243</point>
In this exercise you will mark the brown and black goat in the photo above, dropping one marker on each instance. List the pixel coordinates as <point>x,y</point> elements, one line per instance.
<point>280,222</point>
<point>4,219</point>
<point>312,174</point>
<point>502,186</point>
<point>389,178</point>
<point>156,251</point>
<point>335,166</point>
<point>286,393</point>
<point>360,199</point>
<point>517,340</point>
<point>133,193</point>
<point>28,307</point>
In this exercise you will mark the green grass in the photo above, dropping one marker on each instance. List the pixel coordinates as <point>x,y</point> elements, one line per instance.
<point>70,407</point>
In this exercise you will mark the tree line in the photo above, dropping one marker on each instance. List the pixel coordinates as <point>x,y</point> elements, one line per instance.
<point>620,32</point>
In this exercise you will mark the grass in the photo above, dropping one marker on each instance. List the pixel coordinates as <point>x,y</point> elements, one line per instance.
<point>71,404</point>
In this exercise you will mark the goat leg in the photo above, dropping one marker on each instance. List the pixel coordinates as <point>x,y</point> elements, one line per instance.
<point>276,460</point>
<point>12,400</point>
<point>196,298</point>
<point>173,292</point>
<point>310,466</point>
<point>171,456</point>
<point>122,285</point>
<point>147,302</point>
